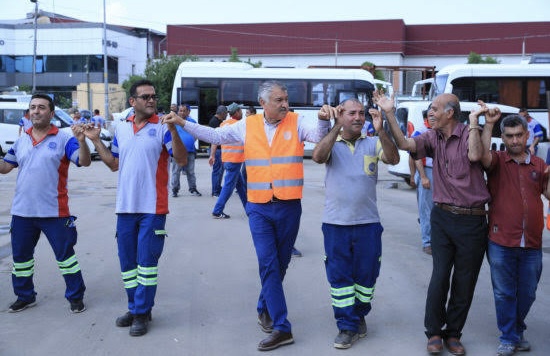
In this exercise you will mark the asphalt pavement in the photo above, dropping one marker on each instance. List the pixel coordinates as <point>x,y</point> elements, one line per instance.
<point>209,284</point>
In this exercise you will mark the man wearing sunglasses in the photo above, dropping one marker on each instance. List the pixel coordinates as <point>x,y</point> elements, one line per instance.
<point>140,152</point>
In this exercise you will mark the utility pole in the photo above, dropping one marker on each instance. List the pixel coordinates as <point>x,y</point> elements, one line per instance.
<point>105,71</point>
<point>34,51</point>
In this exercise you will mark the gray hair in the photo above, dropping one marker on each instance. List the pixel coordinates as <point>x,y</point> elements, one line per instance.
<point>353,100</point>
<point>513,121</point>
<point>266,88</point>
<point>455,106</point>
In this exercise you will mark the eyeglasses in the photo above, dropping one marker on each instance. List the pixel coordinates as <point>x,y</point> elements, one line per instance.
<point>147,97</point>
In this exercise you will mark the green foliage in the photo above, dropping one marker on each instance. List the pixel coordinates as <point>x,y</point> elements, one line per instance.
<point>63,102</point>
<point>161,72</point>
<point>475,58</point>
<point>235,58</point>
<point>26,88</point>
<point>376,73</point>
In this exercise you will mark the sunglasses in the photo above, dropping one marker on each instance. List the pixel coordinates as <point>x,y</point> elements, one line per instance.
<point>147,97</point>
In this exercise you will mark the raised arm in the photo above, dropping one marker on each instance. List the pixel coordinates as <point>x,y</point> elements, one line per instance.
<point>106,156</point>
<point>179,152</point>
<point>5,167</point>
<point>475,146</point>
<point>386,104</point>
<point>84,156</point>
<point>390,155</point>
<point>321,152</point>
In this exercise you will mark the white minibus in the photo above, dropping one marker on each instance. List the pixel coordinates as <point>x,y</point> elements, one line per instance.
<point>205,85</point>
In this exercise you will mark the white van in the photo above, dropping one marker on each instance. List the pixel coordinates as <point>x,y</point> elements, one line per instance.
<point>12,112</point>
<point>411,111</point>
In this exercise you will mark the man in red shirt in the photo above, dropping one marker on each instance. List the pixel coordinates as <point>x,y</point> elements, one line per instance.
<point>516,180</point>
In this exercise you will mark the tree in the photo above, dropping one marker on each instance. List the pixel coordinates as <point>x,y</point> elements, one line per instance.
<point>235,58</point>
<point>475,58</point>
<point>377,74</point>
<point>161,72</point>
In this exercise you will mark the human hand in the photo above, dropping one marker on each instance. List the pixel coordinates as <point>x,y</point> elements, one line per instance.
<point>382,101</point>
<point>78,132</point>
<point>425,183</point>
<point>327,112</point>
<point>377,121</point>
<point>91,132</point>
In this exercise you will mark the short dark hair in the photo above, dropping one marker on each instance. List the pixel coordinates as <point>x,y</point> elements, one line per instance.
<point>251,109</point>
<point>139,83</point>
<point>513,121</point>
<point>45,97</point>
<point>96,111</point>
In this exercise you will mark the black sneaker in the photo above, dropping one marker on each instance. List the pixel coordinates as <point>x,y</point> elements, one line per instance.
<point>77,306</point>
<point>20,305</point>
<point>195,192</point>
<point>345,339</point>
<point>220,216</point>
<point>139,325</point>
<point>174,193</point>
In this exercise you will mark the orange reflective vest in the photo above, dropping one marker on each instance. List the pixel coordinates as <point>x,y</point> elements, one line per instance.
<point>232,153</point>
<point>275,170</point>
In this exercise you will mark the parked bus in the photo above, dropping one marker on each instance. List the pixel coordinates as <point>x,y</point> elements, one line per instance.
<point>205,85</point>
<point>518,85</point>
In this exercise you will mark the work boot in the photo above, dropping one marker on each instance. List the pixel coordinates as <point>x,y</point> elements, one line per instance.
<point>139,325</point>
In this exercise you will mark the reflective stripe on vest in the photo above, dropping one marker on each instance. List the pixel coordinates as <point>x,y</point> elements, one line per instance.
<point>277,170</point>
<point>232,153</point>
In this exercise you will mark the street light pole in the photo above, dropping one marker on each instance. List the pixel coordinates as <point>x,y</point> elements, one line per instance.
<point>34,51</point>
<point>105,63</point>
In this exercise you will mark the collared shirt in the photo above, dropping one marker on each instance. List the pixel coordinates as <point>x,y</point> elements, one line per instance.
<point>41,189</point>
<point>143,154</point>
<point>456,180</point>
<point>237,132</point>
<point>516,208</point>
<point>353,165</point>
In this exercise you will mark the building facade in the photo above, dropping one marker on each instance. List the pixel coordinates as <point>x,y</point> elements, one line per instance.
<point>69,56</point>
<point>402,51</point>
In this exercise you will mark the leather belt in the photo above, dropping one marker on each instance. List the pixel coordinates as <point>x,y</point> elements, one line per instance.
<point>460,210</point>
<point>274,199</point>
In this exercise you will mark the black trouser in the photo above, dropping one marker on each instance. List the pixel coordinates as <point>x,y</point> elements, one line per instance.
<point>458,246</point>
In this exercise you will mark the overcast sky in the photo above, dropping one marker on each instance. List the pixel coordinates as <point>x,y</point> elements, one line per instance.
<point>156,14</point>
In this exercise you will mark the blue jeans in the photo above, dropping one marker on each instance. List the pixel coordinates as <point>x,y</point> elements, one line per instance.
<point>233,179</point>
<point>425,205</point>
<point>515,274</point>
<point>217,173</point>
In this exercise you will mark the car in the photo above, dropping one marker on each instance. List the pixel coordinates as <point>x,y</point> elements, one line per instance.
<point>411,112</point>
<point>11,113</point>
<point>87,114</point>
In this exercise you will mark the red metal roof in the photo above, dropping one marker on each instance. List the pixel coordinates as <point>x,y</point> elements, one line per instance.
<point>382,36</point>
<point>287,38</point>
